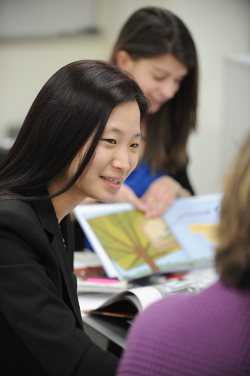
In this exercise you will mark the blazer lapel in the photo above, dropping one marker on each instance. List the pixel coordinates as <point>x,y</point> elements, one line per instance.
<point>47,216</point>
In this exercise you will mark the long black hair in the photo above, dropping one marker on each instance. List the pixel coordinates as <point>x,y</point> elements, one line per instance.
<point>72,106</point>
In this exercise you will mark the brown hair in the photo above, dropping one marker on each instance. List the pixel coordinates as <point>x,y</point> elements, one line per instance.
<point>152,32</point>
<point>233,253</point>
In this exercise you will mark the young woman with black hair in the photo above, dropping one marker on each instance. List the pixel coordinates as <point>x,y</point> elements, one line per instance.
<point>80,139</point>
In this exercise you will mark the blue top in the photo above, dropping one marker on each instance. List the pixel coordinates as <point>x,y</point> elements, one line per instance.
<point>141,178</point>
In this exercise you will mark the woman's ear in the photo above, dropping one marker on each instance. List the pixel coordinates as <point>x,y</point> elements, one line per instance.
<point>123,60</point>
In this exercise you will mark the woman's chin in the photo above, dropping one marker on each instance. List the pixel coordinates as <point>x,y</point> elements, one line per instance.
<point>153,108</point>
<point>106,198</point>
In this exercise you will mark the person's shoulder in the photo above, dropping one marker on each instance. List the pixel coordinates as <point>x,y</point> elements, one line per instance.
<point>15,206</point>
<point>171,303</point>
<point>15,211</point>
<point>156,315</point>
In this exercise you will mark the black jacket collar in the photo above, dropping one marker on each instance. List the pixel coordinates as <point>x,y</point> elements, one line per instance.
<point>46,214</point>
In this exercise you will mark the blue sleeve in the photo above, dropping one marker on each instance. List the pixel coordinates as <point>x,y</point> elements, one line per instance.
<point>141,178</point>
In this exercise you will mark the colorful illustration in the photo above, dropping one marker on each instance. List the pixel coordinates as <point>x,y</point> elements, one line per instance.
<point>132,246</point>
<point>132,240</point>
<point>209,231</point>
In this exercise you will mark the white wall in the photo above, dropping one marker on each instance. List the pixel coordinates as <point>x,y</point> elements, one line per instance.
<point>219,28</point>
<point>236,106</point>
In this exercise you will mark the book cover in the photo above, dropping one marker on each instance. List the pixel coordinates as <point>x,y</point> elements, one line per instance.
<point>131,246</point>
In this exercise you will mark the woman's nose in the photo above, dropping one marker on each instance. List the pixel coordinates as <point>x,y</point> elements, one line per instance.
<point>122,161</point>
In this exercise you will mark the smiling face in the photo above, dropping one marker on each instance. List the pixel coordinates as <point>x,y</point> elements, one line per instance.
<point>159,77</point>
<point>115,158</point>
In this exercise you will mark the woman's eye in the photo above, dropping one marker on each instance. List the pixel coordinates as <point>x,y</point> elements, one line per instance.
<point>109,140</point>
<point>135,146</point>
<point>158,78</point>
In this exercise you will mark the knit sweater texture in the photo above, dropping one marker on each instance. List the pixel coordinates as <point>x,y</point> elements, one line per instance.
<point>207,334</point>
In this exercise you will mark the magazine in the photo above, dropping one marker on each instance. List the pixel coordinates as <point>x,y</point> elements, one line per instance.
<point>131,246</point>
<point>128,303</point>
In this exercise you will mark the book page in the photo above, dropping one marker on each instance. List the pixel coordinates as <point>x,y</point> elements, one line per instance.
<point>194,222</point>
<point>83,214</point>
<point>128,242</point>
<point>131,246</point>
<point>132,301</point>
<point>147,295</point>
<point>128,303</point>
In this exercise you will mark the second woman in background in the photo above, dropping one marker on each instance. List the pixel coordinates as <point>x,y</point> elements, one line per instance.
<point>157,49</point>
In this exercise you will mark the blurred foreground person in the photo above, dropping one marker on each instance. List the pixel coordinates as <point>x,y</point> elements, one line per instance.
<point>208,333</point>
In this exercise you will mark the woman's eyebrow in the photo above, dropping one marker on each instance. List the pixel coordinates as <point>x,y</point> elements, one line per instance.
<point>160,70</point>
<point>166,72</point>
<point>117,130</point>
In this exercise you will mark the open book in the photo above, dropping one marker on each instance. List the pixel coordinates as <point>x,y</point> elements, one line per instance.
<point>128,303</point>
<point>131,246</point>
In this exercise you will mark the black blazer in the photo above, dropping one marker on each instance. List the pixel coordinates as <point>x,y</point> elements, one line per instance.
<point>41,331</point>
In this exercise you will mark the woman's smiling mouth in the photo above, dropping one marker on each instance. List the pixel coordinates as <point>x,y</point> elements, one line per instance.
<point>112,182</point>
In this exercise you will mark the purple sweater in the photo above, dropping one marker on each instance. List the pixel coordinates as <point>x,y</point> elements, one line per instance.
<point>207,334</point>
